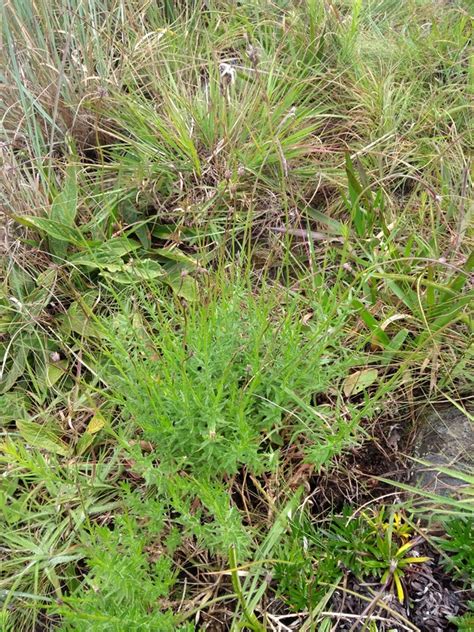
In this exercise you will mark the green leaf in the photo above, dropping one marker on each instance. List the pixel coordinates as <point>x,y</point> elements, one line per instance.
<point>13,406</point>
<point>458,282</point>
<point>55,371</point>
<point>20,282</point>
<point>396,344</point>
<point>359,381</point>
<point>333,225</point>
<point>100,253</point>
<point>41,437</point>
<point>406,295</point>
<point>134,271</point>
<point>15,370</point>
<point>78,321</point>
<point>64,209</point>
<point>94,426</point>
<point>255,584</point>
<point>371,322</point>
<point>132,216</point>
<point>174,254</point>
<point>85,441</point>
<point>51,228</point>
<point>181,282</point>
<point>172,232</point>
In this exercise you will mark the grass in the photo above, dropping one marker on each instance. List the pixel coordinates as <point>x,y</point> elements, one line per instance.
<point>236,265</point>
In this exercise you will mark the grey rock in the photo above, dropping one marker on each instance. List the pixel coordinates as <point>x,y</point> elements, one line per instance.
<point>445,438</point>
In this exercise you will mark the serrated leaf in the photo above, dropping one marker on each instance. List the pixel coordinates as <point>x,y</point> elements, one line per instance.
<point>41,437</point>
<point>359,381</point>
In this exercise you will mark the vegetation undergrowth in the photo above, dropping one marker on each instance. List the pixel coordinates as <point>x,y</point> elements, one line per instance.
<point>236,266</point>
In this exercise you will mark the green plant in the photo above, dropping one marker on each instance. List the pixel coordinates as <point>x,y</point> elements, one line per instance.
<point>222,384</point>
<point>391,539</point>
<point>457,543</point>
<point>375,545</point>
<point>148,153</point>
<point>129,572</point>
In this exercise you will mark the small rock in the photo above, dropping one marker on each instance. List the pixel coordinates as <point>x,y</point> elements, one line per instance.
<point>446,438</point>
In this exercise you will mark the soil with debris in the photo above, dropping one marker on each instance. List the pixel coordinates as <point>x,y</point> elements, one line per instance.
<point>443,436</point>
<point>433,600</point>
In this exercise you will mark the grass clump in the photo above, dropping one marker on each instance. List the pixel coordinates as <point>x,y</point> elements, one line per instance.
<point>236,262</point>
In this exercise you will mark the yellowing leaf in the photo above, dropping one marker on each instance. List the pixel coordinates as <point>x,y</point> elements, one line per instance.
<point>399,587</point>
<point>416,560</point>
<point>96,423</point>
<point>359,381</point>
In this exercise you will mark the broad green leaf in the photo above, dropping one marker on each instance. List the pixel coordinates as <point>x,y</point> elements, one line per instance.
<point>13,407</point>
<point>181,282</point>
<point>174,254</point>
<point>55,371</point>
<point>172,232</point>
<point>14,370</point>
<point>20,282</point>
<point>64,209</point>
<point>133,217</point>
<point>85,441</point>
<point>396,344</point>
<point>78,321</point>
<point>133,272</point>
<point>372,323</point>
<point>405,294</point>
<point>459,280</point>
<point>359,381</point>
<point>41,437</point>
<point>98,254</point>
<point>333,225</point>
<point>47,279</point>
<point>51,228</point>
